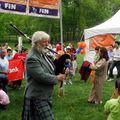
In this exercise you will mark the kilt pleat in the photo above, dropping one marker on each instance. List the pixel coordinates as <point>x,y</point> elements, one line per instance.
<point>37,109</point>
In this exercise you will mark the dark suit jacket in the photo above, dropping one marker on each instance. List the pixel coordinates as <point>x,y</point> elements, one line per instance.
<point>40,77</point>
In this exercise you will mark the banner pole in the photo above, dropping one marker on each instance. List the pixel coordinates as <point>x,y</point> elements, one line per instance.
<point>27,8</point>
<point>61,25</point>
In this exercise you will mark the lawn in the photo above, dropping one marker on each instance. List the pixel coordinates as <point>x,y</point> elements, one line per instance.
<point>73,106</point>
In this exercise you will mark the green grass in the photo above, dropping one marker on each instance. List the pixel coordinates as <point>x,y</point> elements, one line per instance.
<point>73,106</point>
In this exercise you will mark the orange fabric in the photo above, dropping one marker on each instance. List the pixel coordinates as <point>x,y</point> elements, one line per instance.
<point>92,74</point>
<point>37,3</point>
<point>82,51</point>
<point>102,41</point>
<point>45,3</point>
<point>52,2</point>
<point>81,44</point>
<point>15,1</point>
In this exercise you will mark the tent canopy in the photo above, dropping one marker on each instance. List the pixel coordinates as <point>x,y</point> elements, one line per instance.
<point>112,25</point>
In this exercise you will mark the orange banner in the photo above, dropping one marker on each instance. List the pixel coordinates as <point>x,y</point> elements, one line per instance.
<point>16,1</point>
<point>44,3</point>
<point>16,68</point>
<point>49,2</point>
<point>40,8</point>
<point>102,41</point>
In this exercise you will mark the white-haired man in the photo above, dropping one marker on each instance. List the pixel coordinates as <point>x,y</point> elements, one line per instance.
<point>40,80</point>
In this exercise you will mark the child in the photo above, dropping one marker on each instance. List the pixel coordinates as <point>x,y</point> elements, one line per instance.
<point>112,106</point>
<point>74,64</point>
<point>9,54</point>
<point>4,99</point>
<point>69,76</point>
<point>72,68</point>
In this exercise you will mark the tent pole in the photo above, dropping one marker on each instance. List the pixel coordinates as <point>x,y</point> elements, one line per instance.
<point>82,36</point>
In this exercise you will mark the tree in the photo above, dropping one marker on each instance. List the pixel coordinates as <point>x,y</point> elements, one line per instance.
<point>77,16</point>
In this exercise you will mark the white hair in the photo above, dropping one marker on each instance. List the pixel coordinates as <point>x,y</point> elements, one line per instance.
<point>39,36</point>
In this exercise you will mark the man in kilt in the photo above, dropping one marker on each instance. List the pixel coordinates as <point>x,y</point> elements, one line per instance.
<point>40,80</point>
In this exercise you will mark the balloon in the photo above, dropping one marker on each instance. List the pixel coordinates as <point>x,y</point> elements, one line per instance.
<point>78,50</point>
<point>82,51</point>
<point>60,52</point>
<point>58,47</point>
<point>81,44</point>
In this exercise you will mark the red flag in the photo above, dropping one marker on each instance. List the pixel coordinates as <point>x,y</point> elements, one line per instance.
<point>16,67</point>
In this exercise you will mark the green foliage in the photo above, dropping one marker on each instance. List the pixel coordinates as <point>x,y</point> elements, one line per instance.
<point>27,24</point>
<point>73,106</point>
<point>77,15</point>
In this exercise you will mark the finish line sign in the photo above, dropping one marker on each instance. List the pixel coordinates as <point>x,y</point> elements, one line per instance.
<point>39,8</point>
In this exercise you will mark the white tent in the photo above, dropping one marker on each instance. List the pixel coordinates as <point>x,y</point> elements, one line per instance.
<point>111,26</point>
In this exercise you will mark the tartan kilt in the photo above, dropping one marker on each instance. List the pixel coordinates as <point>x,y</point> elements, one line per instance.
<point>37,109</point>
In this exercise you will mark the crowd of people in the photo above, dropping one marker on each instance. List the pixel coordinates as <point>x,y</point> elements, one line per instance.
<point>41,65</point>
<point>41,75</point>
<point>7,54</point>
<point>102,69</point>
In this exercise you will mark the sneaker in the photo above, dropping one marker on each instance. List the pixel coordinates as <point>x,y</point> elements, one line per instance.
<point>98,102</point>
<point>64,82</point>
<point>70,82</point>
<point>110,79</point>
<point>92,102</point>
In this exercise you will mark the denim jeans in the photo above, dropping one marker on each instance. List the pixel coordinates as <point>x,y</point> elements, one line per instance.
<point>117,65</point>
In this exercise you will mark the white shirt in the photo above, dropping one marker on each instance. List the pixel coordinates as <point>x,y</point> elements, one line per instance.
<point>74,64</point>
<point>4,66</point>
<point>4,99</point>
<point>116,54</point>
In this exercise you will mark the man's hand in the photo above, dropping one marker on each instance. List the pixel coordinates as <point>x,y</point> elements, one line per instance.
<point>61,77</point>
<point>67,71</point>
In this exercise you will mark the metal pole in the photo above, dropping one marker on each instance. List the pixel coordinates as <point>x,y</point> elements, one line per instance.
<point>61,26</point>
<point>27,8</point>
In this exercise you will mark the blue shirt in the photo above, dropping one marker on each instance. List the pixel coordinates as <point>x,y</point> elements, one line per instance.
<point>8,57</point>
<point>4,66</point>
<point>110,55</point>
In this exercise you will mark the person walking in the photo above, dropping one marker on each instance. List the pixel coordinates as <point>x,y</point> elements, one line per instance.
<point>116,61</point>
<point>41,79</point>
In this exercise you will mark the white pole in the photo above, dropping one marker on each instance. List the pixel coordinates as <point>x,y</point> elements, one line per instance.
<point>61,26</point>
<point>27,8</point>
<point>19,44</point>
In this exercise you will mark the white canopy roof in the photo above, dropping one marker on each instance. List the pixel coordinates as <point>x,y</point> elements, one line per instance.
<point>112,25</point>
